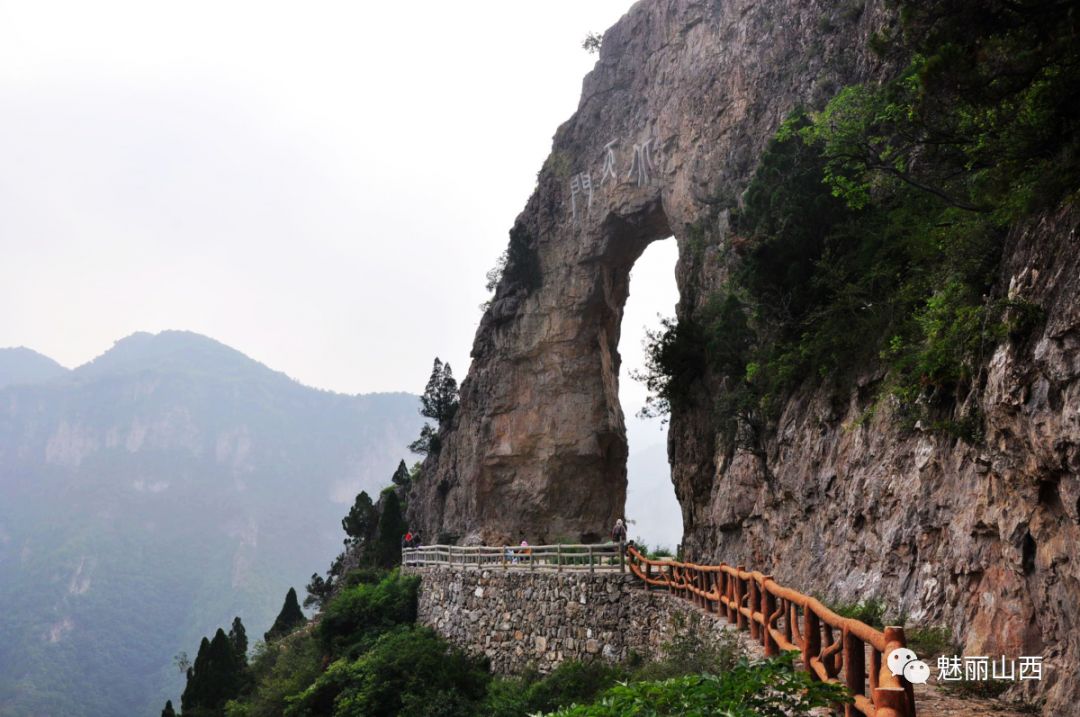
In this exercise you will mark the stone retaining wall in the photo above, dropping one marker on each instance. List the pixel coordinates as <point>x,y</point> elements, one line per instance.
<point>535,619</point>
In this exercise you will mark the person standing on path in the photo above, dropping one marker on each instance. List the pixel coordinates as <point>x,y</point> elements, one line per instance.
<point>618,534</point>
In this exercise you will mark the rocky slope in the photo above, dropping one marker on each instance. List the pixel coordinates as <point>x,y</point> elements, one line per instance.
<point>671,123</point>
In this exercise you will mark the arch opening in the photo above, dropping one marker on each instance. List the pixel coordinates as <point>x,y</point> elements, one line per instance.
<point>651,505</point>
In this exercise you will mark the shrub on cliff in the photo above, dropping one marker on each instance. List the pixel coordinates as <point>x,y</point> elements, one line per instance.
<point>772,688</point>
<point>871,233</point>
<point>408,672</point>
<point>568,683</point>
<point>356,617</point>
<point>279,670</point>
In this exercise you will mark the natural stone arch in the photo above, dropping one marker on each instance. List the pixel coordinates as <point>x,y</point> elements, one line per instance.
<point>682,99</point>
<point>538,446</point>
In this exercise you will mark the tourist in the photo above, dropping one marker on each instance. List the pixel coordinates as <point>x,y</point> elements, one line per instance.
<point>618,534</point>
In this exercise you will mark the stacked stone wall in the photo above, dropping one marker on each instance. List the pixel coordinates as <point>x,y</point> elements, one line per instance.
<point>521,620</point>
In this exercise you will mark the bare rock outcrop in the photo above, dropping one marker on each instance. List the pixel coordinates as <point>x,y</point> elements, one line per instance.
<point>671,121</point>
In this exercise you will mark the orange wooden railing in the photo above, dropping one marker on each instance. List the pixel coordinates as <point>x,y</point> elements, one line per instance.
<point>783,619</point>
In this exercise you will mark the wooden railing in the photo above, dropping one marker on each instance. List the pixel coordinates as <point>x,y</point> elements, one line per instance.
<point>557,558</point>
<point>783,619</point>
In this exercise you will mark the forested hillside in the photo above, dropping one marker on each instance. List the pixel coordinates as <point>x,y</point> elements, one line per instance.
<point>155,492</point>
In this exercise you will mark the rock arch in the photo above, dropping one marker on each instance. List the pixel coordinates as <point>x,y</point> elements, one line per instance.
<point>683,97</point>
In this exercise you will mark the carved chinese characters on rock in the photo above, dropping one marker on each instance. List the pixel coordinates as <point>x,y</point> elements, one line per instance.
<point>640,172</point>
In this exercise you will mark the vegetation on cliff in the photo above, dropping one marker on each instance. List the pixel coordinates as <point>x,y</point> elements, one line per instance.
<point>439,402</point>
<point>364,654</point>
<point>869,240</point>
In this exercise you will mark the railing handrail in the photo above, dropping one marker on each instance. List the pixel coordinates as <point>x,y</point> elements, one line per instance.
<point>560,556</point>
<point>752,599</point>
<point>608,544</point>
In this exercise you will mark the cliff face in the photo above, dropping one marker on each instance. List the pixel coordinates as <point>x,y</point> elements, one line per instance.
<point>671,124</point>
<point>684,96</point>
<point>981,539</point>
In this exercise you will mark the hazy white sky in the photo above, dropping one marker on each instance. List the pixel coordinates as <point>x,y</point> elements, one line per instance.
<point>319,185</point>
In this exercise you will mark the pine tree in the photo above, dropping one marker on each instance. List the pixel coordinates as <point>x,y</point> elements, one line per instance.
<point>194,695</point>
<point>238,638</point>
<point>401,475</point>
<point>168,711</point>
<point>318,590</point>
<point>439,402</point>
<point>428,442</point>
<point>360,523</point>
<point>448,396</point>
<point>217,676</point>
<point>290,617</point>
<point>392,526</point>
<point>440,398</point>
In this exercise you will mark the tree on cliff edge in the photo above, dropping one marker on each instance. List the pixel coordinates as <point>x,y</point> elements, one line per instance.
<point>361,521</point>
<point>290,617</point>
<point>439,402</point>
<point>401,476</point>
<point>386,550</point>
<point>215,678</point>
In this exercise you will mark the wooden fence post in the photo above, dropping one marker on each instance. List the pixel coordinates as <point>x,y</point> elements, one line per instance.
<point>740,619</point>
<point>894,638</point>
<point>854,669</point>
<point>789,621</point>
<point>890,702</point>
<point>754,603</point>
<point>558,558</point>
<point>768,606</point>
<point>811,640</point>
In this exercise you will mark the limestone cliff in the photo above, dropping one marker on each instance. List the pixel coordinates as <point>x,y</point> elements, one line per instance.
<point>675,115</point>
<point>682,99</point>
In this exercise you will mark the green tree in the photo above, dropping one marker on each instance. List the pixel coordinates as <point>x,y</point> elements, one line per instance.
<point>401,475</point>
<point>409,672</point>
<point>428,442</point>
<point>439,402</point>
<point>290,617</point>
<point>361,521</point>
<point>168,711</point>
<point>440,398</point>
<point>360,613</point>
<point>386,551</point>
<point>216,677</point>
<point>318,591</point>
<point>591,43</point>
<point>239,640</point>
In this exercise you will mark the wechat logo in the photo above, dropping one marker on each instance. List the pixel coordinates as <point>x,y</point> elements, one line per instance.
<point>903,662</point>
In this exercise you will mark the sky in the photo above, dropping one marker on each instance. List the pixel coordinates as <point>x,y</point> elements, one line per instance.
<point>322,186</point>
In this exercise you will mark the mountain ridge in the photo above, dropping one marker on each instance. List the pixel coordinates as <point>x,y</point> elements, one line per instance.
<point>154,493</point>
<point>21,365</point>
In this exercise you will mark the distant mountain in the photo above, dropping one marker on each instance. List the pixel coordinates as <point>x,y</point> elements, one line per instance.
<point>152,494</point>
<point>22,365</point>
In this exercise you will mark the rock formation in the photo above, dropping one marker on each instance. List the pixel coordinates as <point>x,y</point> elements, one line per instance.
<point>669,129</point>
